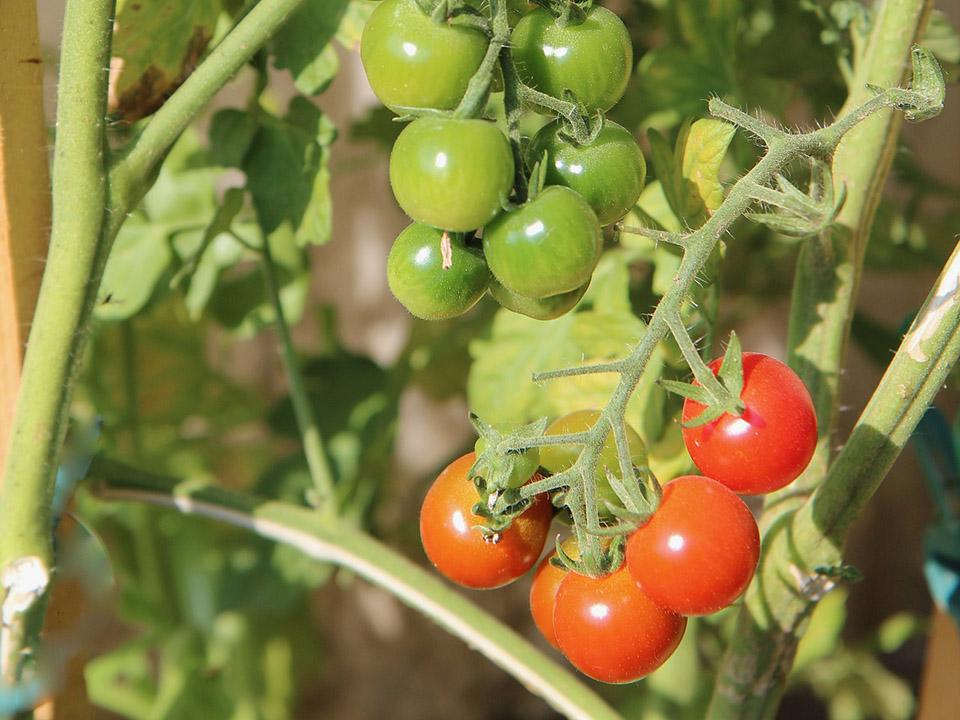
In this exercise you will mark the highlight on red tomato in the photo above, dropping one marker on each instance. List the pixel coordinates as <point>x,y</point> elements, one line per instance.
<point>610,630</point>
<point>698,552</point>
<point>457,547</point>
<point>770,443</point>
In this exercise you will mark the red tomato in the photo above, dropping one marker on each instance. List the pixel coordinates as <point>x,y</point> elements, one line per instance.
<point>610,630</point>
<point>767,446</point>
<point>698,552</point>
<point>543,597</point>
<point>458,549</point>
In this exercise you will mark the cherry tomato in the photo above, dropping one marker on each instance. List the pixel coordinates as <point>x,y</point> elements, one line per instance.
<point>609,171</point>
<point>546,247</point>
<point>543,597</point>
<point>418,279</point>
<point>610,630</point>
<point>451,174</point>
<point>458,549</point>
<point>698,551</point>
<point>557,458</point>
<point>592,59</point>
<point>546,308</point>
<point>770,444</point>
<point>413,62</point>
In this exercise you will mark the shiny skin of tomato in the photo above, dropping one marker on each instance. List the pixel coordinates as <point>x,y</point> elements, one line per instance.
<point>413,62</point>
<point>592,59</point>
<point>418,279</point>
<point>451,174</point>
<point>609,171</point>
<point>698,551</point>
<point>557,458</point>
<point>543,597</point>
<point>610,630</point>
<point>547,308</point>
<point>548,246</point>
<point>770,443</point>
<point>458,549</point>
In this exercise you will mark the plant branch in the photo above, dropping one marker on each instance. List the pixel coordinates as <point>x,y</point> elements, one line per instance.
<point>66,300</point>
<point>311,438</point>
<point>332,541</point>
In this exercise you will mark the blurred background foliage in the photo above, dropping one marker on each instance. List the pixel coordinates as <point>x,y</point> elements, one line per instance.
<point>211,622</point>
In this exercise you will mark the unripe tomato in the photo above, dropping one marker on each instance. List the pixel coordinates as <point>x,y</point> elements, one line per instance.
<point>770,443</point>
<point>419,281</point>
<point>557,458</point>
<point>413,62</point>
<point>610,630</point>
<point>698,551</point>
<point>609,172</point>
<point>592,59</point>
<point>546,308</point>
<point>459,550</point>
<point>451,174</point>
<point>524,465</point>
<point>548,246</point>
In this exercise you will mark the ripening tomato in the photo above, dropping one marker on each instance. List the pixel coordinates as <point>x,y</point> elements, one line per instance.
<point>557,458</point>
<point>548,246</point>
<point>770,443</point>
<point>413,62</point>
<point>451,174</point>
<point>610,630</point>
<point>459,550</point>
<point>418,279</point>
<point>698,551</point>
<point>592,59</point>
<point>543,590</point>
<point>609,171</point>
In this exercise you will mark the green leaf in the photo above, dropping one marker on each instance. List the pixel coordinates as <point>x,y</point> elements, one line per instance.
<point>731,369</point>
<point>140,257</point>
<point>653,201</point>
<point>822,636</point>
<point>286,167</point>
<point>156,45</point>
<point>377,126</point>
<point>704,148</point>
<point>121,681</point>
<point>696,393</point>
<point>941,38</point>
<point>896,630</point>
<point>302,45</point>
<point>668,172</point>
<point>231,133</point>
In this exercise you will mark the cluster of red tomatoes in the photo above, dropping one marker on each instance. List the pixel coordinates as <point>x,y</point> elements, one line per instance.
<point>694,555</point>
<point>456,177</point>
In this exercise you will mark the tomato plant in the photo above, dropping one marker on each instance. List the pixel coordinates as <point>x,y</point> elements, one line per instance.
<point>769,443</point>
<point>458,548</point>
<point>698,551</point>
<point>610,630</point>
<point>214,419</point>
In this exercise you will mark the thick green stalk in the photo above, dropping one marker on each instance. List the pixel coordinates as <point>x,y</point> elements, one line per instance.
<point>330,540</point>
<point>753,674</point>
<point>65,302</point>
<point>788,584</point>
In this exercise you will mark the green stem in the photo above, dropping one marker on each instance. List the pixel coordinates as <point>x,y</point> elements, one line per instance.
<point>330,540</point>
<point>66,299</point>
<point>310,435</point>
<point>787,587</point>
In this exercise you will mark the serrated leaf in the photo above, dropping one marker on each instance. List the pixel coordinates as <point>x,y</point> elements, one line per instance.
<point>302,45</point>
<point>704,148</point>
<point>155,47</point>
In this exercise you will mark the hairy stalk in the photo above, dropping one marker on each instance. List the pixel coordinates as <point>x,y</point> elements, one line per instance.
<point>65,302</point>
<point>310,436</point>
<point>754,670</point>
<point>330,540</point>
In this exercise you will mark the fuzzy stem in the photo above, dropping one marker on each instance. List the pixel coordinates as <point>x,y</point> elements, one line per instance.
<point>330,540</point>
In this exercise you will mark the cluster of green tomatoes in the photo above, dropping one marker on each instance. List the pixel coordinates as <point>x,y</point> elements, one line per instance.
<point>521,220</point>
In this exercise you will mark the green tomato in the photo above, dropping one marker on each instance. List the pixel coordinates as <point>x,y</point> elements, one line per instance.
<point>522,465</point>
<point>546,247</point>
<point>608,172</point>
<point>419,281</point>
<point>557,458</point>
<point>592,59</point>
<point>546,308</point>
<point>451,174</point>
<point>413,62</point>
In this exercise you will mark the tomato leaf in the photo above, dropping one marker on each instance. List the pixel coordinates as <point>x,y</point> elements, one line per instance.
<point>704,148</point>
